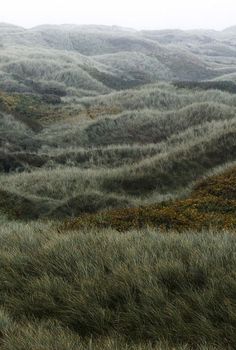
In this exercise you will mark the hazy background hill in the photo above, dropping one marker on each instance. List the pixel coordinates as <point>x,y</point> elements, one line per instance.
<point>93,117</point>
<point>99,58</point>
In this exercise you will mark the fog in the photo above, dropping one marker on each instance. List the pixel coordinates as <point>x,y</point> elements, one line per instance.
<point>139,14</point>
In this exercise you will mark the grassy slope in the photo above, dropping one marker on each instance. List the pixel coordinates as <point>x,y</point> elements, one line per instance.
<point>212,203</point>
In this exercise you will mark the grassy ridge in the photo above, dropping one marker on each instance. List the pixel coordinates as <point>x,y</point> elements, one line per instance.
<point>149,126</point>
<point>173,168</point>
<point>170,171</point>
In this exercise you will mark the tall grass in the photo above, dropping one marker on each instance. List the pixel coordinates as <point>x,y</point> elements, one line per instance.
<point>144,286</point>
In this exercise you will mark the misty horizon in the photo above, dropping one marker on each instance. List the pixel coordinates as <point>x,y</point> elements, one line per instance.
<point>116,26</point>
<point>144,15</point>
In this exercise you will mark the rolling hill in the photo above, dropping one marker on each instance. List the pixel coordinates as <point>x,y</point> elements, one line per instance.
<point>99,58</point>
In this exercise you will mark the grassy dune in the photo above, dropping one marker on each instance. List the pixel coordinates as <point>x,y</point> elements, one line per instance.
<point>212,203</point>
<point>152,175</point>
<point>127,158</point>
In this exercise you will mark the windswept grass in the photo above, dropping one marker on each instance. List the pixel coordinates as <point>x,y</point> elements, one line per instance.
<point>51,334</point>
<point>95,284</point>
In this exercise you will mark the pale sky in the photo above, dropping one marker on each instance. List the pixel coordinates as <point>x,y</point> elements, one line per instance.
<point>140,14</point>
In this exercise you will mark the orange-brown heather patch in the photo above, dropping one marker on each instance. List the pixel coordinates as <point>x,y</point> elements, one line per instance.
<point>211,204</point>
<point>94,112</point>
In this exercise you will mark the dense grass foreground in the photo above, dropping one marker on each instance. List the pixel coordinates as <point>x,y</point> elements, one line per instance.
<point>140,285</point>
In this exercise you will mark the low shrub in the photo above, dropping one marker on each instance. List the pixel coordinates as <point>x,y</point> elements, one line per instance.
<point>90,202</point>
<point>228,86</point>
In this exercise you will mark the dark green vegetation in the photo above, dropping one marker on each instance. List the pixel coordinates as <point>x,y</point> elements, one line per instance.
<point>228,86</point>
<point>144,287</point>
<point>117,189</point>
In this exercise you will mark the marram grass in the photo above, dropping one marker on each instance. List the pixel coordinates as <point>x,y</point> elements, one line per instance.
<point>107,290</point>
